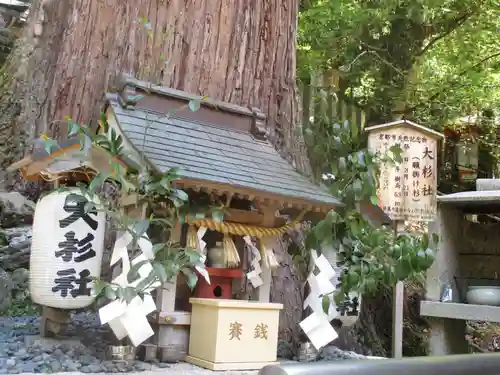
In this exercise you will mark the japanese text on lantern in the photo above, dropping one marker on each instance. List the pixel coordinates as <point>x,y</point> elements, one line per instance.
<point>407,191</point>
<point>75,250</point>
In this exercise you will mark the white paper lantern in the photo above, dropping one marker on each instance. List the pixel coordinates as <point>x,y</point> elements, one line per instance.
<point>66,250</point>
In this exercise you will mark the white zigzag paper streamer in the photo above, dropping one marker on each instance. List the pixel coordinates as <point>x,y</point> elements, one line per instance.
<point>317,326</point>
<point>130,319</point>
<point>202,244</point>
<point>254,275</point>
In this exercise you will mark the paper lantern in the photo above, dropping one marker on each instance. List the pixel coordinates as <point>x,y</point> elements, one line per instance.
<point>66,250</point>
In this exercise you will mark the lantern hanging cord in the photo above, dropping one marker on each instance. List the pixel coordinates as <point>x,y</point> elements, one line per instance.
<point>49,177</point>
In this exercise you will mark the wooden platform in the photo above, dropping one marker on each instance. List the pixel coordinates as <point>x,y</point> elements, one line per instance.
<point>460,311</point>
<point>227,366</point>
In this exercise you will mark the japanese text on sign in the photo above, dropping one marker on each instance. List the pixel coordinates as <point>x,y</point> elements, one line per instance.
<point>407,191</point>
<point>69,282</point>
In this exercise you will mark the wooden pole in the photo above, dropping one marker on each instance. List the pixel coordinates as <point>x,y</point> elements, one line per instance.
<point>397,310</point>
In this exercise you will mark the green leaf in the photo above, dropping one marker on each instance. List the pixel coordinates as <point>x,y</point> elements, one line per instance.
<point>158,247</point>
<point>73,128</point>
<point>145,283</point>
<point>339,298</point>
<point>129,293</point>
<point>177,202</point>
<point>104,122</point>
<point>191,277</point>
<point>166,183</point>
<point>110,293</point>
<point>325,303</point>
<point>50,145</point>
<point>136,98</point>
<point>140,227</point>
<point>163,221</point>
<point>160,272</point>
<point>98,287</point>
<point>334,217</point>
<point>181,194</point>
<point>88,207</point>
<point>353,278</point>
<point>120,293</point>
<point>217,215</point>
<point>370,284</point>
<point>98,180</point>
<point>425,241</point>
<point>354,130</point>
<point>194,104</point>
<point>133,273</point>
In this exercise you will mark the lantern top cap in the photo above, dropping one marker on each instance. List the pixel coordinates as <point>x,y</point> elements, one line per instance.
<point>409,124</point>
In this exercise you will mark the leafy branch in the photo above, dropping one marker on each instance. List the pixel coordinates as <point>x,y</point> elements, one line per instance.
<point>370,257</point>
<point>151,188</point>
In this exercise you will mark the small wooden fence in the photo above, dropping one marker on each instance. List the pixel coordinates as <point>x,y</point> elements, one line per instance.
<point>318,101</point>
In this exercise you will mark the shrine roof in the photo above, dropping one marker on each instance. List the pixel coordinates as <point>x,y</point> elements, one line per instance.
<point>407,123</point>
<point>19,6</point>
<point>220,143</point>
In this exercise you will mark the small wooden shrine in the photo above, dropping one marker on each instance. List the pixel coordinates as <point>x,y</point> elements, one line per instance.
<point>222,150</point>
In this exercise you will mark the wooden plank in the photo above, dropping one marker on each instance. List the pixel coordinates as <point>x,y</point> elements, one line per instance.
<point>460,311</point>
<point>166,294</point>
<point>397,321</point>
<point>170,335</point>
<point>397,311</point>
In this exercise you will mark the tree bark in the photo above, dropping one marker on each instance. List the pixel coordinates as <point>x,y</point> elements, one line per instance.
<point>239,51</point>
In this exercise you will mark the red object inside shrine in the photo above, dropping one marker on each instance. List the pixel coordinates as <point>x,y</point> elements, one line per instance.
<point>220,283</point>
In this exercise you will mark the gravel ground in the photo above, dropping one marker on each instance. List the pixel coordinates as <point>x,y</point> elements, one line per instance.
<point>175,369</point>
<point>21,351</point>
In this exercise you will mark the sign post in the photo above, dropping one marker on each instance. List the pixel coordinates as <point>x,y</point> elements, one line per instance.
<point>407,191</point>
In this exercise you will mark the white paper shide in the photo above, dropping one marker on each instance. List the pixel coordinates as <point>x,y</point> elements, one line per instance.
<point>254,275</point>
<point>202,245</point>
<point>317,326</point>
<point>131,319</point>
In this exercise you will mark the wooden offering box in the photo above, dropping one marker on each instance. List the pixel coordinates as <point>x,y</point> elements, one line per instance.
<point>232,334</point>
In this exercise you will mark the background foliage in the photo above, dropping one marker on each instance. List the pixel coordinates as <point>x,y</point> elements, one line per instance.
<point>372,257</point>
<point>430,60</point>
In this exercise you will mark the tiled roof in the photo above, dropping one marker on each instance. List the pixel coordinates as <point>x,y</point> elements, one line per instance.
<point>209,153</point>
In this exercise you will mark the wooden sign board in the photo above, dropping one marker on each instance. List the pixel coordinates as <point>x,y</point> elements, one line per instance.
<point>407,191</point>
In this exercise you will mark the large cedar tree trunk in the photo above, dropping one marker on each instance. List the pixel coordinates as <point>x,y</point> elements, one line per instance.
<point>239,51</point>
